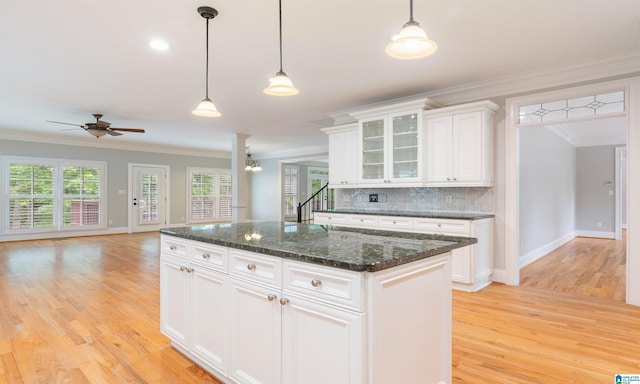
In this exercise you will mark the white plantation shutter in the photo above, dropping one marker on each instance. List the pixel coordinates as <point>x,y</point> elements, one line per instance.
<point>290,190</point>
<point>81,196</point>
<point>209,195</point>
<point>31,196</point>
<point>53,195</point>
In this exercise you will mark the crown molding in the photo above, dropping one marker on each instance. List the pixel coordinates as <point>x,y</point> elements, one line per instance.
<point>107,144</point>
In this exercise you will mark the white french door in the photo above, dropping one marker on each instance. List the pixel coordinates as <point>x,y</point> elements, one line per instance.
<point>148,203</point>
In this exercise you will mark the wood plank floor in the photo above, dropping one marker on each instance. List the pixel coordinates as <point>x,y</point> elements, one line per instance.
<point>86,310</point>
<point>584,266</point>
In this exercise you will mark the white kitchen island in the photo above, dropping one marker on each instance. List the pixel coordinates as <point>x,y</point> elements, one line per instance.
<point>294,303</point>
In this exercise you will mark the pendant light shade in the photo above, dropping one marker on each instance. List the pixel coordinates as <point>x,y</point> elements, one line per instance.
<point>280,84</point>
<point>412,42</point>
<point>206,107</point>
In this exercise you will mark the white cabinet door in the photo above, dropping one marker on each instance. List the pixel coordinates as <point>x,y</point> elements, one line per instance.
<point>373,151</point>
<point>467,147</point>
<point>255,336</point>
<point>321,344</point>
<point>438,148</point>
<point>174,300</point>
<point>208,318</point>
<point>343,156</point>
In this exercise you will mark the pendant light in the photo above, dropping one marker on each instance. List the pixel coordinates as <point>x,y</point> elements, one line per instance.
<point>412,42</point>
<point>280,84</point>
<point>206,107</point>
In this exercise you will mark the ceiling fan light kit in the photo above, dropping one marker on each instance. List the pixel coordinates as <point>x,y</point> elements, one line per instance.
<point>412,41</point>
<point>280,84</point>
<point>206,108</point>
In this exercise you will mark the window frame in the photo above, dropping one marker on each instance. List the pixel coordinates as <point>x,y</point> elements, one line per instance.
<point>57,195</point>
<point>217,175</point>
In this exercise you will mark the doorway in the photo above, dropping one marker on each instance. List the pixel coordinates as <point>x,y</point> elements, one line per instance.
<point>148,197</point>
<point>631,88</point>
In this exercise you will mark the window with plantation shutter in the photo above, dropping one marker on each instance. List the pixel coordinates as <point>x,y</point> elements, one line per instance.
<point>53,195</point>
<point>209,195</point>
<point>290,190</point>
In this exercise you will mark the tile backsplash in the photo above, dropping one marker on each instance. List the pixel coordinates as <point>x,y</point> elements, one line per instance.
<point>476,200</point>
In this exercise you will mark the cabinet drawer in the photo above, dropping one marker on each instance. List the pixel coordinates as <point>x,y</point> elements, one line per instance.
<point>394,223</point>
<point>362,221</point>
<point>329,218</point>
<point>210,256</point>
<point>330,285</point>
<point>440,226</point>
<point>256,267</point>
<point>173,246</point>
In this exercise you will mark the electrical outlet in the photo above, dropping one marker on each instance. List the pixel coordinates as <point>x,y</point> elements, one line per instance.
<point>373,197</point>
<point>448,199</point>
<point>110,222</point>
<point>599,224</point>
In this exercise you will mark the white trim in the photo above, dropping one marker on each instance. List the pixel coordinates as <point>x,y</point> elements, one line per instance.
<point>540,252</point>
<point>499,276</point>
<point>596,234</point>
<point>633,189</point>
<point>618,193</point>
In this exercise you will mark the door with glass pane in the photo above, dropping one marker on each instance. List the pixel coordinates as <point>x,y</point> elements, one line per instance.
<point>148,203</point>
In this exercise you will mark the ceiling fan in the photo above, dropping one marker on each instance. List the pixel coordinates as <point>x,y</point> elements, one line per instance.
<point>101,127</point>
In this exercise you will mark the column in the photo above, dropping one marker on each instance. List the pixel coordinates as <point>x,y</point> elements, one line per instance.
<point>239,189</point>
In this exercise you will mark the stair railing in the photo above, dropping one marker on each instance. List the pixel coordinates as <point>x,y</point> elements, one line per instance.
<point>318,201</point>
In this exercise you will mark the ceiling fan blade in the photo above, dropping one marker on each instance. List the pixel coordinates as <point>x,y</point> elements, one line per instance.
<point>127,130</point>
<point>60,122</point>
<point>112,133</point>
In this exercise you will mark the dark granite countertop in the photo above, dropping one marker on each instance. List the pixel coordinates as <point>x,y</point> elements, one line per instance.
<point>347,248</point>
<point>432,215</point>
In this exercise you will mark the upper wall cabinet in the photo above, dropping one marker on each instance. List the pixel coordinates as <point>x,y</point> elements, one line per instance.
<point>343,156</point>
<point>459,145</point>
<point>391,150</point>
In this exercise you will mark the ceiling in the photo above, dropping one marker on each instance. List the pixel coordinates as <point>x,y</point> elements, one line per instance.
<point>67,59</point>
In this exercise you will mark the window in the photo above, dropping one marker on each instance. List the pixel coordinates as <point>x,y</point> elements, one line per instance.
<point>290,190</point>
<point>53,195</point>
<point>209,195</point>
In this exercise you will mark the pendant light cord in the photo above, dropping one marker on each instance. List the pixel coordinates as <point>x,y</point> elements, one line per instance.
<point>410,11</point>
<point>280,22</point>
<point>207,63</point>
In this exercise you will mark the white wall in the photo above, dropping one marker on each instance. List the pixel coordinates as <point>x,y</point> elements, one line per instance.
<point>266,186</point>
<point>547,185</point>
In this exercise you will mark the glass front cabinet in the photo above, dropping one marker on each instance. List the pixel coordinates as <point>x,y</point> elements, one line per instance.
<point>390,150</point>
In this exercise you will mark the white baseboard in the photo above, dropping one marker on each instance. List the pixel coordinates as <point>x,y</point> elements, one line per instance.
<point>534,255</point>
<point>598,234</point>
<point>57,235</point>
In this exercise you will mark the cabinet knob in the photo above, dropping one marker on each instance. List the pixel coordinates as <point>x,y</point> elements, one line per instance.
<point>182,268</point>
<point>448,179</point>
<point>189,270</point>
<point>439,225</point>
<point>393,222</point>
<point>173,247</point>
<point>251,267</point>
<point>316,283</point>
<point>284,301</point>
<point>206,255</point>
<point>454,179</point>
<point>272,297</point>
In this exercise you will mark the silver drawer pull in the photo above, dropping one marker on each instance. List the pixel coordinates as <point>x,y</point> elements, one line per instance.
<point>316,283</point>
<point>206,255</point>
<point>272,297</point>
<point>173,247</point>
<point>284,301</point>
<point>183,268</point>
<point>251,267</point>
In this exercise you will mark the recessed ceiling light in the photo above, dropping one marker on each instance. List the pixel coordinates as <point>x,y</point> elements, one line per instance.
<point>159,45</point>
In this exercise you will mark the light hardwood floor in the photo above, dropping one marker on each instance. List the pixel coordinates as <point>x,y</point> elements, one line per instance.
<point>584,266</point>
<point>86,310</point>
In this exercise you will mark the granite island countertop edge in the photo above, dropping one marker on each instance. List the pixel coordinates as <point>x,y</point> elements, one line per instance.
<point>335,262</point>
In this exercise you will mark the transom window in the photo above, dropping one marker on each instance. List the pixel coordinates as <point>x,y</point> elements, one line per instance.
<point>585,106</point>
